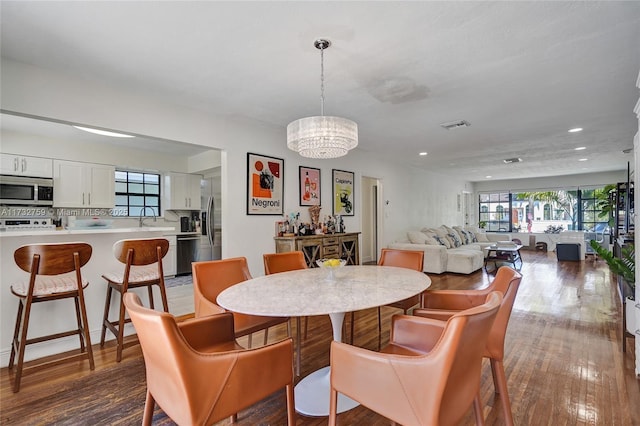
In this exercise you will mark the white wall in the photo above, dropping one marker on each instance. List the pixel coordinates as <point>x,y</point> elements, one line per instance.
<point>416,198</point>
<point>591,179</point>
<point>91,152</point>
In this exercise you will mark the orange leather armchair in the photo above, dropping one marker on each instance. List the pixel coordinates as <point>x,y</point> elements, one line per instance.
<point>211,277</point>
<point>429,374</point>
<point>283,262</point>
<point>442,304</point>
<point>196,371</point>
<point>410,259</point>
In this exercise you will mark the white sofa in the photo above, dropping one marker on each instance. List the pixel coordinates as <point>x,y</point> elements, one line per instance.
<point>442,253</point>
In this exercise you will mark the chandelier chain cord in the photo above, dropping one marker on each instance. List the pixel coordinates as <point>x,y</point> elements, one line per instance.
<point>321,80</point>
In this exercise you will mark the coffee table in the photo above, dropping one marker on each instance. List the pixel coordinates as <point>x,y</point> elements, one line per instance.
<point>309,292</point>
<point>507,253</point>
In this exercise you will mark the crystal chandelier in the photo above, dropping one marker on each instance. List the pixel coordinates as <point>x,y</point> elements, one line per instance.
<point>322,136</point>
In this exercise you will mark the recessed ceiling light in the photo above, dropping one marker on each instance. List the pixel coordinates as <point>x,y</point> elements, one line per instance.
<point>455,124</point>
<point>575,129</point>
<point>104,132</point>
<point>512,160</point>
<point>488,177</point>
<point>583,159</point>
<point>580,148</point>
<point>423,153</point>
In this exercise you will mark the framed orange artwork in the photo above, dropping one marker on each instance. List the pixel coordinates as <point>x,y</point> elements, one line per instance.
<point>265,189</point>
<point>309,186</point>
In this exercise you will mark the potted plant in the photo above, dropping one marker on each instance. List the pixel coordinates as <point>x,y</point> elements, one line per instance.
<point>606,203</point>
<point>625,267</point>
<point>482,224</point>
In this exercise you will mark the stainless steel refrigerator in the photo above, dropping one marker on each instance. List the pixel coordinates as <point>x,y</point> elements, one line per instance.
<point>210,218</point>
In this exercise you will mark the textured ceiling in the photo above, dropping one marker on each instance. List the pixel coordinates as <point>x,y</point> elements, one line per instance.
<point>521,73</point>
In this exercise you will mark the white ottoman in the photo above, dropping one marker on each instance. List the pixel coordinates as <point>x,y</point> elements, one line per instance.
<point>463,261</point>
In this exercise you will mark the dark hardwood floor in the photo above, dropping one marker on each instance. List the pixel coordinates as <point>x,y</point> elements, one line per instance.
<point>564,362</point>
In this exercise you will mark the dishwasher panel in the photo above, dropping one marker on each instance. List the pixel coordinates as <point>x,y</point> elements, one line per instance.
<point>187,252</point>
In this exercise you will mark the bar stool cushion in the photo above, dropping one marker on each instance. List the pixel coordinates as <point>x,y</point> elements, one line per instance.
<point>48,284</point>
<point>137,274</point>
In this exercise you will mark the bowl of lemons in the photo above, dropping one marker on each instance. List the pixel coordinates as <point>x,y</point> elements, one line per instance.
<point>331,265</point>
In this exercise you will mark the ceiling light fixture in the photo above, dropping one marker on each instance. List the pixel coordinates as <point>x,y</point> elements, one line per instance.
<point>322,136</point>
<point>575,129</point>
<point>583,159</point>
<point>423,153</point>
<point>104,132</point>
<point>455,124</point>
<point>512,160</point>
<point>580,148</point>
<point>488,177</point>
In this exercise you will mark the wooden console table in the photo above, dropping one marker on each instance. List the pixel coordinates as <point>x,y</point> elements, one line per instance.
<point>329,246</point>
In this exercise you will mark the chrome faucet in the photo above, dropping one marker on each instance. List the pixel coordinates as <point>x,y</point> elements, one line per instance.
<point>142,218</point>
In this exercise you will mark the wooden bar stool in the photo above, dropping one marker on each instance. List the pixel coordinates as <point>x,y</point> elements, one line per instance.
<point>50,268</point>
<point>142,261</point>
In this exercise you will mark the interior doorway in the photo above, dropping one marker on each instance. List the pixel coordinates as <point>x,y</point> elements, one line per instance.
<point>371,220</point>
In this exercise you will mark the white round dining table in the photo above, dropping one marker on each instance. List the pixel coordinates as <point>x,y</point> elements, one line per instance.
<point>314,291</point>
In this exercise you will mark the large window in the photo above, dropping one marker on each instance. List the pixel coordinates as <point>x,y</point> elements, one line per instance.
<point>137,193</point>
<point>591,219</point>
<point>494,211</point>
<point>568,209</point>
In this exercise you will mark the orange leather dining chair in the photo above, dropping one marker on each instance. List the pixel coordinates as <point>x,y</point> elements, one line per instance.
<point>429,374</point>
<point>410,259</point>
<point>283,262</point>
<point>142,260</point>
<point>50,267</point>
<point>441,304</point>
<point>198,374</point>
<point>211,277</point>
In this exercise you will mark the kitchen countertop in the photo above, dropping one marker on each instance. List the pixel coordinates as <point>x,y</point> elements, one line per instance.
<point>174,232</point>
<point>91,230</point>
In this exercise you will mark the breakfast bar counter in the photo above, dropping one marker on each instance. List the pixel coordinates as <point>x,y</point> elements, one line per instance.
<point>84,231</point>
<point>53,316</point>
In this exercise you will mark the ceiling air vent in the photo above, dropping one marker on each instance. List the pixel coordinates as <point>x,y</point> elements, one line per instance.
<point>512,160</point>
<point>455,124</point>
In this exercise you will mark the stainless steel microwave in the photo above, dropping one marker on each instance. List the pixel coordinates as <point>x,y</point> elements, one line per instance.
<point>26,191</point>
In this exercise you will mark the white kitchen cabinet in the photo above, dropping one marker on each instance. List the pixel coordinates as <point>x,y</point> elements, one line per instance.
<point>182,191</point>
<point>86,185</point>
<point>169,262</point>
<point>21,165</point>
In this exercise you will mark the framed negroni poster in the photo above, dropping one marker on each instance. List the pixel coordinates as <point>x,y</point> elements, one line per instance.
<point>265,188</point>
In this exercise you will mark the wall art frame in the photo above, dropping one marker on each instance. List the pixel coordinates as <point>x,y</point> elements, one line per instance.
<point>343,192</point>
<point>309,183</point>
<point>265,185</point>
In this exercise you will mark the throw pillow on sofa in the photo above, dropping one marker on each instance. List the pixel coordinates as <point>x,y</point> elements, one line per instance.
<point>481,237</point>
<point>442,241</point>
<point>417,237</point>
<point>453,236</point>
<point>464,235</point>
<point>440,233</point>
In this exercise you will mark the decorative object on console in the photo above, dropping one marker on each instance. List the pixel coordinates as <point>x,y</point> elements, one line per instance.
<point>309,186</point>
<point>314,212</point>
<point>265,189</point>
<point>322,136</point>
<point>343,198</point>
